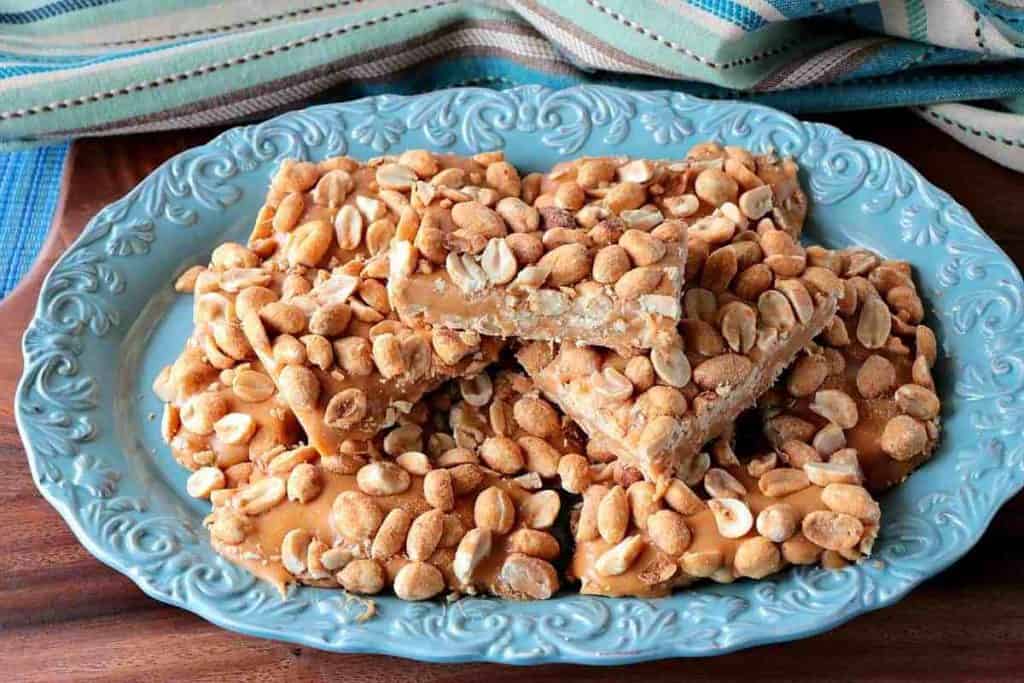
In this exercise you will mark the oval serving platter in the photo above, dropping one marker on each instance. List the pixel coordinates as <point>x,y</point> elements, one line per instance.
<point>108,320</point>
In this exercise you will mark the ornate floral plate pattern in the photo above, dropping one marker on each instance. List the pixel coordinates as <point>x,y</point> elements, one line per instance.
<point>107,320</point>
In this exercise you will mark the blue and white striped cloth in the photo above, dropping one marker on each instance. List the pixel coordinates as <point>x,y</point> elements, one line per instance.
<point>100,67</point>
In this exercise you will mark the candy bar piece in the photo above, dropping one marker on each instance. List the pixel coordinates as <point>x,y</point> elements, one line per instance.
<point>865,386</point>
<point>325,214</point>
<point>221,418</point>
<point>753,305</point>
<point>749,521</point>
<point>346,367</point>
<point>598,258</point>
<point>427,520</point>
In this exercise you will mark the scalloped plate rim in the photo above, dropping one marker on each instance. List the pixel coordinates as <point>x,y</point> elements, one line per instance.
<point>824,624</point>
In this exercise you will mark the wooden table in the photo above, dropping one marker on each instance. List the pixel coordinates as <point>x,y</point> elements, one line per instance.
<point>64,615</point>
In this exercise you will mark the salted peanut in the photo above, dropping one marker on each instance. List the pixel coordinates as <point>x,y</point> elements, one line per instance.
<point>668,531</point>
<point>365,577</point>
<point>800,551</point>
<point>574,471</point>
<point>796,453</point>
<point>294,551</point>
<point>304,483</point>
<point>643,502</point>
<point>383,479</point>
<point>682,499</point>
<point>299,386</point>
<point>851,499</point>
<point>926,343</point>
<point>235,428</point>
<point>202,411</point>
<point>643,248</point>
<point>502,454</point>
<point>918,401</point>
<point>536,455</point>
<point>282,317</point>
<point>346,409</point>
<point>726,370</point>
<point>832,530</point>
<point>478,390</point>
<point>438,489</point>
<point>356,516</point>
<point>260,496</point>
<point>621,557</point>
<point>921,374</point>
<point>170,422</point>
<point>499,262</point>
<point>876,376</point>
<point>536,416</point>
<point>702,564</point>
<point>335,559</point>
<point>829,439</point>
<point>494,510</point>
<point>825,473</point>
<point>837,407</point>
<point>732,517</point>
<point>252,386</point>
<point>418,581</point>
<point>414,462</point>
<point>229,527</point>
<point>466,478</point>
<point>186,282</point>
<point>757,557</point>
<point>613,515</point>
<point>287,350</point>
<point>474,548</point>
<point>424,535</point>
<point>756,202</point>
<point>782,482</point>
<point>529,576</point>
<point>540,510</point>
<point>314,560</point>
<point>720,484</point>
<point>610,264</point>
<point>904,437</point>
<point>778,522</point>
<point>715,187</point>
<point>518,215</point>
<point>205,481</point>
<point>739,326</point>
<point>671,365</point>
<point>874,324</point>
<point>807,375</point>
<point>533,543</point>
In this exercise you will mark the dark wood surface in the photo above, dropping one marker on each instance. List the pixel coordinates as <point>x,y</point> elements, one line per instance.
<point>65,616</point>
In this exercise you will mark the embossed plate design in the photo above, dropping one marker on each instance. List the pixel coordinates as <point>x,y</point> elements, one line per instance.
<point>108,319</point>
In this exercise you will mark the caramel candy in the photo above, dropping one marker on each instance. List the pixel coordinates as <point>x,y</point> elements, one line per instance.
<point>429,521</point>
<point>598,258</point>
<point>864,388</point>
<point>753,305</point>
<point>682,537</point>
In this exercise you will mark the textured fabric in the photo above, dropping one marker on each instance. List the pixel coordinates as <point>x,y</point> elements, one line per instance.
<point>72,67</point>
<point>29,188</point>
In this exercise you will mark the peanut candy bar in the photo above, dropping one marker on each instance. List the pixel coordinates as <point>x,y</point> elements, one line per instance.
<point>598,258</point>
<point>755,520</point>
<point>221,419</point>
<point>753,305</point>
<point>430,506</point>
<point>345,366</point>
<point>326,214</point>
<point>864,389</point>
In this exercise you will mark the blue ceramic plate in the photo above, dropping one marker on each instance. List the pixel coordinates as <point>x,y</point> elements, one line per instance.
<point>108,320</point>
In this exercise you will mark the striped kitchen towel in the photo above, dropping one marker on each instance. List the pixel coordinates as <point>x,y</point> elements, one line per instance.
<point>95,67</point>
